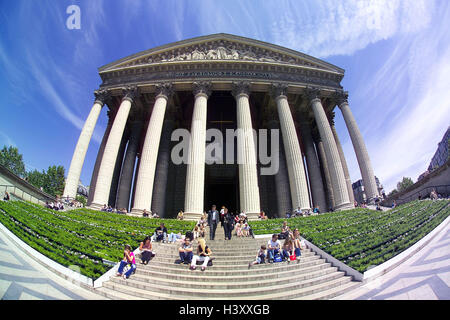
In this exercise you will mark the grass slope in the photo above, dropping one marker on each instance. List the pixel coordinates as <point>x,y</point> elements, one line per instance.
<point>85,238</point>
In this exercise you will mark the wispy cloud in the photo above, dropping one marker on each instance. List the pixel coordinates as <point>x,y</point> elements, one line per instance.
<point>410,112</point>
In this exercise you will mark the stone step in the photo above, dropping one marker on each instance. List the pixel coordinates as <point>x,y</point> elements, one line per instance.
<point>249,257</point>
<point>216,253</point>
<point>218,271</point>
<point>308,292</point>
<point>226,246</point>
<point>240,266</point>
<point>331,293</point>
<point>136,293</point>
<point>212,283</point>
<point>219,261</point>
<point>116,295</point>
<point>244,291</point>
<point>195,276</point>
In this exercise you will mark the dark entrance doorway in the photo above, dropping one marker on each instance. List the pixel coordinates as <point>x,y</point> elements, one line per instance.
<point>221,187</point>
<point>221,180</point>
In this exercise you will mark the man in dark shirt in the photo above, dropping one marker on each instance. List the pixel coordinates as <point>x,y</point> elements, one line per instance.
<point>161,233</point>
<point>213,219</point>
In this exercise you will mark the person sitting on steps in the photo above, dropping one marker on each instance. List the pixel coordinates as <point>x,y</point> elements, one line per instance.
<point>260,256</point>
<point>203,254</point>
<point>288,249</point>
<point>273,247</point>
<point>146,250</point>
<point>128,258</point>
<point>297,244</point>
<point>284,231</point>
<point>185,251</point>
<point>160,233</point>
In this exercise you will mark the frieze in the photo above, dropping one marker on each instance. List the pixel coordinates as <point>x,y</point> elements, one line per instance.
<point>180,75</point>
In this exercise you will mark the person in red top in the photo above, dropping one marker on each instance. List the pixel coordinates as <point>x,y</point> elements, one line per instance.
<point>128,258</point>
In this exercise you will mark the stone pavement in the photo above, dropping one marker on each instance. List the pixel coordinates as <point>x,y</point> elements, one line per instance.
<point>22,278</point>
<point>425,276</point>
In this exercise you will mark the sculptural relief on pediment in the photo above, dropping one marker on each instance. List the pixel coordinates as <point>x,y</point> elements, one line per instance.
<point>219,50</point>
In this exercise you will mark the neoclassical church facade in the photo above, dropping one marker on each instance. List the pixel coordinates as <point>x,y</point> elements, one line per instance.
<point>220,82</point>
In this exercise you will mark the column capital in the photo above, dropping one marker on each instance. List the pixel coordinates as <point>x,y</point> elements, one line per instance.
<point>340,97</point>
<point>239,88</point>
<point>202,88</point>
<point>164,89</point>
<point>130,93</point>
<point>312,93</point>
<point>102,96</point>
<point>278,89</point>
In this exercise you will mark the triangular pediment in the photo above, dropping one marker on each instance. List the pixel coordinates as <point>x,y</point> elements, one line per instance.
<point>220,47</point>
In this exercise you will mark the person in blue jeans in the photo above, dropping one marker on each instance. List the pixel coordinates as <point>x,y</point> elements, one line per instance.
<point>273,247</point>
<point>185,251</point>
<point>297,244</point>
<point>260,256</point>
<point>160,233</point>
<point>128,258</point>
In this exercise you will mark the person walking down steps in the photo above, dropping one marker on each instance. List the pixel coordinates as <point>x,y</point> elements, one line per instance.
<point>213,219</point>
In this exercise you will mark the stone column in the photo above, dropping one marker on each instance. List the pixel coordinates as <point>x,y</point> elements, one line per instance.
<point>294,159</point>
<point>98,160</point>
<point>107,165</point>
<point>337,177</point>
<point>326,175</point>
<point>348,181</point>
<point>76,165</point>
<point>281,179</point>
<point>146,176</point>
<point>117,168</point>
<point>162,171</point>
<point>368,177</point>
<point>126,178</point>
<point>195,175</point>
<point>315,177</point>
<point>248,171</point>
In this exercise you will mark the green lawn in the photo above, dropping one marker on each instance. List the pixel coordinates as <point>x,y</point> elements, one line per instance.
<point>362,237</point>
<point>85,238</point>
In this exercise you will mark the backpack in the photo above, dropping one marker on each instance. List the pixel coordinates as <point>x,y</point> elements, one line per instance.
<point>277,258</point>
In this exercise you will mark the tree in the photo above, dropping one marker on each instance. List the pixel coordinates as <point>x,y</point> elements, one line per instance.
<point>54,180</point>
<point>12,160</point>
<point>36,178</point>
<point>393,192</point>
<point>404,184</point>
<point>81,199</point>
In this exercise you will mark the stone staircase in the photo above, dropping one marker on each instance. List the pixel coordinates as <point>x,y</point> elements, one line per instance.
<point>229,277</point>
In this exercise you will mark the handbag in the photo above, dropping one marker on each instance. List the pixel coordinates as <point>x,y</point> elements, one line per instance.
<point>292,257</point>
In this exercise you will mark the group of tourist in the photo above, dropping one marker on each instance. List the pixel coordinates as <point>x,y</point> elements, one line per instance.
<point>303,213</point>
<point>231,223</point>
<point>289,251</point>
<point>56,205</point>
<point>434,195</point>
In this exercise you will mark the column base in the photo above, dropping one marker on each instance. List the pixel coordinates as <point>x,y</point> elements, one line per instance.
<point>95,206</point>
<point>252,216</point>
<point>192,216</point>
<point>344,206</point>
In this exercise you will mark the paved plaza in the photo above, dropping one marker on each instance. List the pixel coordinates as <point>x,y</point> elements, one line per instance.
<point>22,278</point>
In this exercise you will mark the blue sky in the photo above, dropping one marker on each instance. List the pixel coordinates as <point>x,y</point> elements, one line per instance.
<point>396,55</point>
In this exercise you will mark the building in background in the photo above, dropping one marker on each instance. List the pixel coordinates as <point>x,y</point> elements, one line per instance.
<point>359,192</point>
<point>441,155</point>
